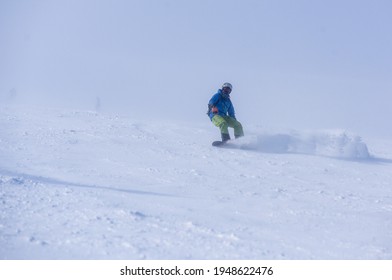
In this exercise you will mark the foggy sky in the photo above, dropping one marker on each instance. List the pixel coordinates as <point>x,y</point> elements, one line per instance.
<point>306,64</point>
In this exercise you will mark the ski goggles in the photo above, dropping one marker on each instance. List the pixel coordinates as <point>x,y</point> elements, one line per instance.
<point>226,90</point>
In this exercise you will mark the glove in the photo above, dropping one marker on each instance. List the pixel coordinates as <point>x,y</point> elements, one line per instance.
<point>214,110</point>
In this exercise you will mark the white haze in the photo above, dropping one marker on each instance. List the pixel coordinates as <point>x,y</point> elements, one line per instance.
<point>297,64</point>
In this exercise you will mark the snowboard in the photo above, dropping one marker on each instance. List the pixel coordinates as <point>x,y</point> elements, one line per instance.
<point>218,143</point>
<point>232,144</point>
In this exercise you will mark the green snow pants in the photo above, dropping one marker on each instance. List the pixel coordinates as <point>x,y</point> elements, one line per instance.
<point>224,122</point>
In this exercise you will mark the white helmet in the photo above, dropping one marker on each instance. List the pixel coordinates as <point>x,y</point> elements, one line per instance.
<point>227,85</point>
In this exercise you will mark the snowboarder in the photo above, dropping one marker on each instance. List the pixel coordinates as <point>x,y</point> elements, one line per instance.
<point>222,114</point>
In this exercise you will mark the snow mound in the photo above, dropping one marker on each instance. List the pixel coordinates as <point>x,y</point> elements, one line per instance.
<point>338,144</point>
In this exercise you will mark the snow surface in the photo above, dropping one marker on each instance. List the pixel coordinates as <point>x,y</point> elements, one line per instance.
<point>84,185</point>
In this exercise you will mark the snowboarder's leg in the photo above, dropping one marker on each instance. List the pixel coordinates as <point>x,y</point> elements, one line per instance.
<point>238,130</point>
<point>220,122</point>
<point>225,137</point>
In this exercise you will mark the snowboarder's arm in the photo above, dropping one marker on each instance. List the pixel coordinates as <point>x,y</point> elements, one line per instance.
<point>214,100</point>
<point>231,111</point>
<point>212,104</point>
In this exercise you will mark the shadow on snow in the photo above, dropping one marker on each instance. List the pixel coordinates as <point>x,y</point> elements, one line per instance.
<point>20,178</point>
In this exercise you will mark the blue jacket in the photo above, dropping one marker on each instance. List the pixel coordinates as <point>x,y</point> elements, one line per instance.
<point>223,103</point>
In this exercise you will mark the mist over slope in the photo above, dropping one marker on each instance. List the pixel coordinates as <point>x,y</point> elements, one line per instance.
<point>303,65</point>
<point>83,185</point>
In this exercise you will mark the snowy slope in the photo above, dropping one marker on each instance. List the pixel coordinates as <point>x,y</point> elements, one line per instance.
<point>82,185</point>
